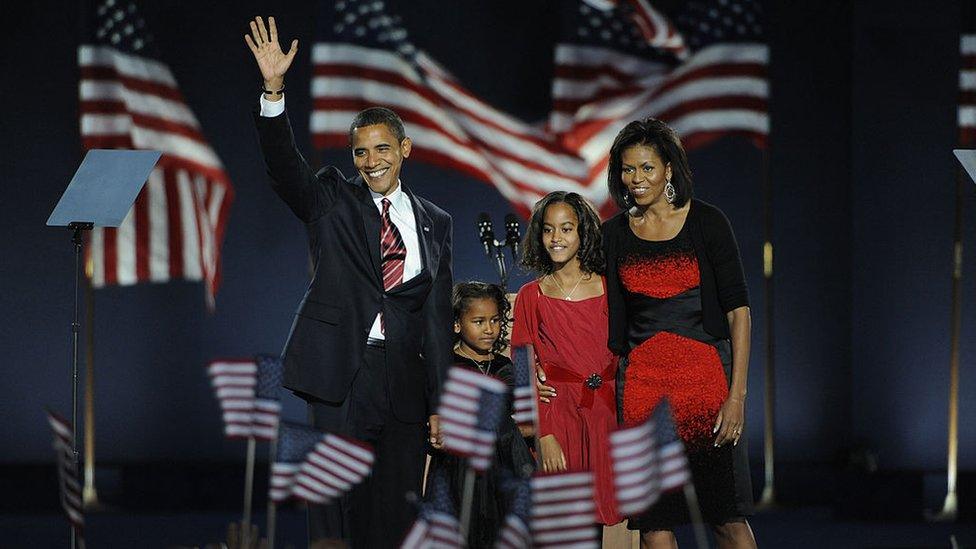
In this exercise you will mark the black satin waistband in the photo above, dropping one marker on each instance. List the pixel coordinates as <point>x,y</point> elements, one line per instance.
<point>680,315</point>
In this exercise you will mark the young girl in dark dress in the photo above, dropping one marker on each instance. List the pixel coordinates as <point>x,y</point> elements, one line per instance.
<point>480,334</point>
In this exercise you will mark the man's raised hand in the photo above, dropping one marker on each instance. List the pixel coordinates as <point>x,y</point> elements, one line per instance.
<point>267,52</point>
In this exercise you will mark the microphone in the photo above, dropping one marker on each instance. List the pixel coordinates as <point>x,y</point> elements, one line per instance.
<point>512,236</point>
<point>485,233</point>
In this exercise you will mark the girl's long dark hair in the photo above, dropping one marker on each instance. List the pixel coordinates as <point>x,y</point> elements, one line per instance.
<point>590,254</point>
<point>461,297</point>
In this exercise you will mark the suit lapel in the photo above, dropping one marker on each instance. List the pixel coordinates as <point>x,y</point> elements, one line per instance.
<point>371,228</point>
<point>425,231</point>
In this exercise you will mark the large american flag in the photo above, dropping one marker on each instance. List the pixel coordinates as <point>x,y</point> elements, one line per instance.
<point>130,100</point>
<point>704,72</point>
<point>648,459</point>
<point>563,511</point>
<point>524,402</point>
<point>472,405</point>
<point>316,467</point>
<point>247,390</point>
<point>437,525</point>
<point>967,83</point>
<point>70,488</point>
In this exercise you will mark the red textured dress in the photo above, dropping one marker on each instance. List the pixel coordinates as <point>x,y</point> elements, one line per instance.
<point>673,356</point>
<point>570,342</point>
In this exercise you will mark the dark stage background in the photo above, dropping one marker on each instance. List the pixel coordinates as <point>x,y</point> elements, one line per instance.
<point>863,123</point>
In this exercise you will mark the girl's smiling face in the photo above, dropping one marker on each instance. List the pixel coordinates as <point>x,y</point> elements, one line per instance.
<point>559,232</point>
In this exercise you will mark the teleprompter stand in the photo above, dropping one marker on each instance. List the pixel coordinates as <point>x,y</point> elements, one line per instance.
<point>100,194</point>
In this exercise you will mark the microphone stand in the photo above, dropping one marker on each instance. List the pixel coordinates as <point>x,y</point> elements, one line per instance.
<point>500,263</point>
<point>495,248</point>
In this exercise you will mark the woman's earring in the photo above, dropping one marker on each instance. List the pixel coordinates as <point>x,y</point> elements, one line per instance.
<point>669,192</point>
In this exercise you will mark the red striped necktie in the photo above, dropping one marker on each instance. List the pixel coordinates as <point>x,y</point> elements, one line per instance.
<point>392,251</point>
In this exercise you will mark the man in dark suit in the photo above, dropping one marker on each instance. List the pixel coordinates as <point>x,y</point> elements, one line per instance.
<point>373,335</point>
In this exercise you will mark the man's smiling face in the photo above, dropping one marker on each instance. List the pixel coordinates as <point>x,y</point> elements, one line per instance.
<point>378,156</point>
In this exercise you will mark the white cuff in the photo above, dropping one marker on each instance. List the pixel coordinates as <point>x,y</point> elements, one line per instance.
<point>272,108</point>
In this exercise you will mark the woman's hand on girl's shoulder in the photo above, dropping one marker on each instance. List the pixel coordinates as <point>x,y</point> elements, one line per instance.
<point>545,391</point>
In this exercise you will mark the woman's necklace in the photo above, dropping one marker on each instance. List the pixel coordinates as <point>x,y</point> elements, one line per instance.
<point>566,296</point>
<point>484,366</point>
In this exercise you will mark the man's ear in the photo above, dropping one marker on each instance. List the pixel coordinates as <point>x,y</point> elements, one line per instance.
<point>457,328</point>
<point>405,146</point>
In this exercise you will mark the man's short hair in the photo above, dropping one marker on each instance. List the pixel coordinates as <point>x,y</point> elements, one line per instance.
<point>378,115</point>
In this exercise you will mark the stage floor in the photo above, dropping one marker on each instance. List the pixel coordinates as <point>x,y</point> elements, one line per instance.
<point>800,528</point>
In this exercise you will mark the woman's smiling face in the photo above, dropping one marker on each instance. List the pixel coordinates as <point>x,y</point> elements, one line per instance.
<point>644,174</point>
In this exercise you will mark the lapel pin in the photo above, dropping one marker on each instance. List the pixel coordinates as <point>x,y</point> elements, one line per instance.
<point>426,229</point>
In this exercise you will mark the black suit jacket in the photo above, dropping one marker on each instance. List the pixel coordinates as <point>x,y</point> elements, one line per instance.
<point>328,338</point>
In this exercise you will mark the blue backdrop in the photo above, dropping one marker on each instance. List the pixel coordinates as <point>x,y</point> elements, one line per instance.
<point>860,160</point>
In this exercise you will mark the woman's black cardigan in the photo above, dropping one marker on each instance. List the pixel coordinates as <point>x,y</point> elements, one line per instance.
<point>723,284</point>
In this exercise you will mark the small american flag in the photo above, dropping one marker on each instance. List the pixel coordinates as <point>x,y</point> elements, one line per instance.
<point>247,392</point>
<point>524,403</point>
<point>437,525</point>
<point>637,484</point>
<point>515,532</point>
<point>471,408</point>
<point>70,488</point>
<point>672,465</point>
<point>316,467</point>
<point>647,460</point>
<point>563,511</point>
<point>130,99</point>
<point>703,72</point>
<point>267,407</point>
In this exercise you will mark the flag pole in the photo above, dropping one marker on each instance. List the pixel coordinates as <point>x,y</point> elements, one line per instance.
<point>77,239</point>
<point>768,498</point>
<point>697,522</point>
<point>89,494</point>
<point>248,488</point>
<point>466,502</point>
<point>950,507</point>
<point>272,506</point>
<point>535,417</point>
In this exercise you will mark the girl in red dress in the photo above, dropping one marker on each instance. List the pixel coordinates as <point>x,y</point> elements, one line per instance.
<point>563,314</point>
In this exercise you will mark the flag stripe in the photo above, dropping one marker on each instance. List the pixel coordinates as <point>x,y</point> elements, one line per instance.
<point>69,486</point>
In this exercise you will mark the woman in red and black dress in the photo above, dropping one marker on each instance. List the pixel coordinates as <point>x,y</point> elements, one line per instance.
<point>679,314</point>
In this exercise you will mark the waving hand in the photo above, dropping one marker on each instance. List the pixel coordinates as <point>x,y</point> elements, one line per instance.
<point>273,62</point>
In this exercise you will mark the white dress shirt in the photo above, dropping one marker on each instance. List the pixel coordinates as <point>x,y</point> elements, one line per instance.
<point>272,109</point>
<point>401,213</point>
